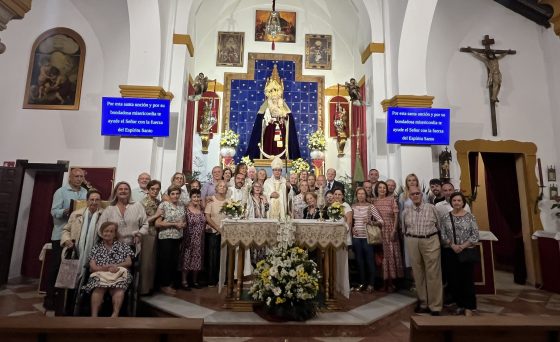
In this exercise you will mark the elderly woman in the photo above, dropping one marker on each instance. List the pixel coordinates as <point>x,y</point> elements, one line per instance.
<point>192,248</point>
<point>459,233</point>
<point>110,260</point>
<point>179,180</point>
<point>311,212</point>
<point>261,176</point>
<point>363,213</point>
<point>170,225</point>
<point>130,216</point>
<point>298,201</point>
<point>389,210</point>
<point>214,220</point>
<point>149,246</point>
<point>80,232</point>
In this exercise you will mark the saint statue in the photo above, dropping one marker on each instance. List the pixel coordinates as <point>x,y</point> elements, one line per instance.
<point>274,127</point>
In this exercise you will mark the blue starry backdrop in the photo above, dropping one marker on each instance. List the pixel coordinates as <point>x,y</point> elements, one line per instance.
<point>247,97</point>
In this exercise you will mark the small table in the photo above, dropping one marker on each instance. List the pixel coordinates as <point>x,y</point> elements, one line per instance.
<point>549,255</point>
<point>329,237</point>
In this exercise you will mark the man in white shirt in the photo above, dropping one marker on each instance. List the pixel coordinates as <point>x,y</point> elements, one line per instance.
<point>141,191</point>
<point>239,191</point>
<point>444,207</point>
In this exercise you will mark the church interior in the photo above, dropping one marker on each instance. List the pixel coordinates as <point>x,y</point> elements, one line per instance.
<point>228,70</point>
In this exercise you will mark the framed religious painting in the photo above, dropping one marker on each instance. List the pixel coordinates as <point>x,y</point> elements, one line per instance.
<point>551,173</point>
<point>230,49</point>
<point>56,66</point>
<point>318,51</point>
<point>287,23</point>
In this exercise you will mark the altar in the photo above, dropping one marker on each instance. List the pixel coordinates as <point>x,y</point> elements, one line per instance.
<point>328,237</point>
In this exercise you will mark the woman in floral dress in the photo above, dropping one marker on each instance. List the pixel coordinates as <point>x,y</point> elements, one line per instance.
<point>389,210</point>
<point>192,249</point>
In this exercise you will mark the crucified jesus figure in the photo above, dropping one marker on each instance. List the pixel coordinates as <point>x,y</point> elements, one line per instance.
<point>490,59</point>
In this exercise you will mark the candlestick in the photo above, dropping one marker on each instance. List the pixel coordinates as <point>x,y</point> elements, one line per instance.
<point>540,172</point>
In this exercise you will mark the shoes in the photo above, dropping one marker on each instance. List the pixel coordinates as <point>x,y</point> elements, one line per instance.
<point>420,310</point>
<point>435,313</point>
<point>359,288</point>
<point>197,286</point>
<point>369,289</point>
<point>48,304</point>
<point>459,312</point>
<point>168,290</point>
<point>185,286</point>
<point>468,312</point>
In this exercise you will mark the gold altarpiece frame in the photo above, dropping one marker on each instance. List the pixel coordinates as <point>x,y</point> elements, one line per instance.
<point>250,76</point>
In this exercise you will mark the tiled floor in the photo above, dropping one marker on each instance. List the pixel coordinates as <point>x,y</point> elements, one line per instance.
<point>511,300</point>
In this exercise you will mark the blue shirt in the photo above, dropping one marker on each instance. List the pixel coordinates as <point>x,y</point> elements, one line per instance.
<point>61,201</point>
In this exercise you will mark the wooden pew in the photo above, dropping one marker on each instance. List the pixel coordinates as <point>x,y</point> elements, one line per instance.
<point>484,329</point>
<point>106,329</point>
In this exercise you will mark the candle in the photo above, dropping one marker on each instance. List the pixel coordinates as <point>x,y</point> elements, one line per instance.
<point>540,172</point>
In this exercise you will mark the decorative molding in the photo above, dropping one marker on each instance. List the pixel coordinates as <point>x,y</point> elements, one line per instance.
<point>334,90</point>
<point>372,48</point>
<point>418,101</point>
<point>184,39</point>
<point>17,7</point>
<point>149,92</point>
<point>250,75</point>
<point>555,19</point>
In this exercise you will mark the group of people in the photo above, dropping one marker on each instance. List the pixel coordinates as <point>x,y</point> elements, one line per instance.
<point>176,233</point>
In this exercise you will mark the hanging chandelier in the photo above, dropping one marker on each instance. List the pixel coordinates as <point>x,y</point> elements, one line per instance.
<point>273,27</point>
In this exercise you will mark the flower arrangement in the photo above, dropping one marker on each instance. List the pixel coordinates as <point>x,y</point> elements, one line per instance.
<point>299,165</point>
<point>335,211</point>
<point>288,283</point>
<point>316,140</point>
<point>247,161</point>
<point>232,208</point>
<point>229,138</point>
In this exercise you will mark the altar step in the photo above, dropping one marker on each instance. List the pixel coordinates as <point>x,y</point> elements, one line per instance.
<point>359,321</point>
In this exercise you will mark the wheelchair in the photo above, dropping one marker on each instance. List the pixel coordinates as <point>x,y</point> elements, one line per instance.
<point>82,300</point>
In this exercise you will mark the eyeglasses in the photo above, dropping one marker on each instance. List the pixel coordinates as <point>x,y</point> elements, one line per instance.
<point>415,193</point>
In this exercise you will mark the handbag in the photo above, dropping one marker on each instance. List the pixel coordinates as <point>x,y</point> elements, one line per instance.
<point>470,254</point>
<point>68,271</point>
<point>373,234</point>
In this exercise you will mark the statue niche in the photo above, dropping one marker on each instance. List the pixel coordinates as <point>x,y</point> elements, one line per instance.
<point>274,129</point>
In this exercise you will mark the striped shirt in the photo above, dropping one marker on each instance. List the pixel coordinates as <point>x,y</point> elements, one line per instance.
<point>420,220</point>
<point>362,215</point>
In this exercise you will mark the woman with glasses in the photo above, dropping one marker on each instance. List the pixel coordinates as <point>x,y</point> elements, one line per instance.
<point>149,246</point>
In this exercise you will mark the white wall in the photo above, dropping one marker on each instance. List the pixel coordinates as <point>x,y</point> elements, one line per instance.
<point>530,78</point>
<point>50,135</point>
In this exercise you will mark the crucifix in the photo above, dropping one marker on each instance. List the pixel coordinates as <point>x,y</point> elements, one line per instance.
<point>490,58</point>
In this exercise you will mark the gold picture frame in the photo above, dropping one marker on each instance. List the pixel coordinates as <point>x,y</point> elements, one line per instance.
<point>318,51</point>
<point>56,66</point>
<point>287,20</point>
<point>230,49</point>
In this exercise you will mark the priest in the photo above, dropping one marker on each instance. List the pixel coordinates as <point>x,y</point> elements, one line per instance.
<point>276,191</point>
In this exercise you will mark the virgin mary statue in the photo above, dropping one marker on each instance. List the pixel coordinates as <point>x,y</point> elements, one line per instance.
<point>274,127</point>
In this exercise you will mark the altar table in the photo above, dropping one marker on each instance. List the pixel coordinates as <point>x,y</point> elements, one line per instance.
<point>329,237</point>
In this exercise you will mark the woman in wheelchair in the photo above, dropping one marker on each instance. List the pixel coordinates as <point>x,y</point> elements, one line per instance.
<point>110,261</point>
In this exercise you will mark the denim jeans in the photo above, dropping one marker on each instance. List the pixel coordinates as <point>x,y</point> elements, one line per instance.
<point>365,259</point>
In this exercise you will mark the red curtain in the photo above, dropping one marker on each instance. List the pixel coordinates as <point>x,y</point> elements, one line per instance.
<point>39,227</point>
<point>102,179</point>
<point>187,156</point>
<point>359,125</point>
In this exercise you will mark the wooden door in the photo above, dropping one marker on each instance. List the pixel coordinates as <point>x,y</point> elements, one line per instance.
<point>11,179</point>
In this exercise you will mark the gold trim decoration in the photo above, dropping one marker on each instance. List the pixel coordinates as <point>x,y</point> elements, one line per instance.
<point>418,101</point>
<point>555,19</point>
<point>148,92</point>
<point>371,49</point>
<point>336,90</point>
<point>528,152</point>
<point>184,39</point>
<point>250,75</point>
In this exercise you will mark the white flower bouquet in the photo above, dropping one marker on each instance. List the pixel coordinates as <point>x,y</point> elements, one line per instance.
<point>247,161</point>
<point>335,211</point>
<point>299,165</point>
<point>288,284</point>
<point>316,140</point>
<point>232,208</point>
<point>229,138</point>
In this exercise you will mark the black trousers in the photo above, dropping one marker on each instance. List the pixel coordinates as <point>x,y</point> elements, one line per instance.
<point>212,257</point>
<point>52,272</point>
<point>168,259</point>
<point>460,280</point>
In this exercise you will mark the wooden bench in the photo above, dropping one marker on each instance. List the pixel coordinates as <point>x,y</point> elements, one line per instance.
<point>484,329</point>
<point>106,329</point>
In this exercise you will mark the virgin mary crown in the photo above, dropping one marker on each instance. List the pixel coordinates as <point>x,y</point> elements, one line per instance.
<point>274,84</point>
